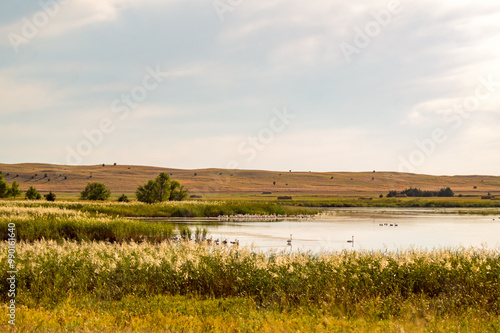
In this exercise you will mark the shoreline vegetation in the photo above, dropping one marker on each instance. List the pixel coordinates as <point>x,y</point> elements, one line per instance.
<point>85,266</point>
<point>238,207</point>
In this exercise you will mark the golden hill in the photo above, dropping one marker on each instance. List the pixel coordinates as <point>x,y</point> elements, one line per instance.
<point>126,178</point>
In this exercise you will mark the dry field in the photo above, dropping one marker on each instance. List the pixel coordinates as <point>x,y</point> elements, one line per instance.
<point>126,178</point>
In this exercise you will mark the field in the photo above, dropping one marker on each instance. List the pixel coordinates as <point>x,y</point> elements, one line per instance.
<point>82,268</point>
<point>221,184</point>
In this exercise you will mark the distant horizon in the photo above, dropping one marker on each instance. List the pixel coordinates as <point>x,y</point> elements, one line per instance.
<point>264,170</point>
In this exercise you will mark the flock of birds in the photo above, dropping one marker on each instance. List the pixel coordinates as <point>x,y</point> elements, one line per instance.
<point>224,242</point>
<point>258,217</point>
<point>209,241</point>
<point>289,240</point>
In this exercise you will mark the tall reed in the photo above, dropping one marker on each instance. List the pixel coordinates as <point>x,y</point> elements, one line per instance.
<point>459,278</point>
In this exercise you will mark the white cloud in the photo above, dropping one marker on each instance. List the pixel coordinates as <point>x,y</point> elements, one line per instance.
<point>26,96</point>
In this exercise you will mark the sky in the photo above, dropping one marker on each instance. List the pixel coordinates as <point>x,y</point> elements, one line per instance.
<point>410,86</point>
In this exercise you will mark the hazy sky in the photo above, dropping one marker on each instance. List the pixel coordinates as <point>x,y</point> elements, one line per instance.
<point>261,84</point>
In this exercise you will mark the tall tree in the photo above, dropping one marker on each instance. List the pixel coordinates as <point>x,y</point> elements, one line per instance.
<point>14,190</point>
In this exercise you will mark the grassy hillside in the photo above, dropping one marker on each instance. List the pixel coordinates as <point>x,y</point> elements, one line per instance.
<point>221,182</point>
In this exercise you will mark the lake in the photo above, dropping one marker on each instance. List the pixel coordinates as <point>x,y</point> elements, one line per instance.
<point>416,228</point>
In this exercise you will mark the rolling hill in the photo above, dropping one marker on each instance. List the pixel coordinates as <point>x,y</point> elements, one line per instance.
<point>126,178</point>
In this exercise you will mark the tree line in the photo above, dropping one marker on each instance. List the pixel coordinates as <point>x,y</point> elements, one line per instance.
<point>162,188</point>
<point>416,192</point>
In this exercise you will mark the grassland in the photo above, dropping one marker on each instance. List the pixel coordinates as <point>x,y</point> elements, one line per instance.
<point>113,274</point>
<point>220,184</point>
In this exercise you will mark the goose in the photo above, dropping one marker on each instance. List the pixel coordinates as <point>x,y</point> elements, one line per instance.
<point>224,241</point>
<point>236,242</point>
<point>289,241</point>
<point>351,240</point>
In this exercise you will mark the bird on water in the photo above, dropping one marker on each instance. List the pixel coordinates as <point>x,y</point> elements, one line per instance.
<point>351,240</point>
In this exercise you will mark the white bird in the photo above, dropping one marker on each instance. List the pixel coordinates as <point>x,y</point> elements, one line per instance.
<point>351,240</point>
<point>289,241</point>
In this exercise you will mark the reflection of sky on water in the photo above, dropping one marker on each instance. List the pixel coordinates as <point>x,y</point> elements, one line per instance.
<point>332,232</point>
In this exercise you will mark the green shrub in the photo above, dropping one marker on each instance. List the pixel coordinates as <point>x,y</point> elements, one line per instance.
<point>95,191</point>
<point>32,194</point>
<point>50,196</point>
<point>123,198</point>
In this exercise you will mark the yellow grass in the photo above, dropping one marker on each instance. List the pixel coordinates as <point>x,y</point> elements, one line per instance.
<point>246,183</point>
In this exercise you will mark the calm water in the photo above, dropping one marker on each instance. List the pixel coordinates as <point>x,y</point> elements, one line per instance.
<point>416,228</point>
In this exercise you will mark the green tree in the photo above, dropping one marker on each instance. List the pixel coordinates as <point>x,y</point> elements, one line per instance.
<point>177,191</point>
<point>147,192</point>
<point>446,192</point>
<point>32,194</point>
<point>14,190</point>
<point>4,188</point>
<point>95,191</point>
<point>50,197</point>
<point>161,189</point>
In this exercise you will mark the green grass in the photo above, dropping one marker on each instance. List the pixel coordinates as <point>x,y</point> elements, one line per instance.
<point>399,203</point>
<point>164,313</point>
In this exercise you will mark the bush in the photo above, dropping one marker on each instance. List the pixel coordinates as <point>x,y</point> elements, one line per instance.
<point>50,197</point>
<point>161,189</point>
<point>32,194</point>
<point>445,192</point>
<point>123,198</point>
<point>95,191</point>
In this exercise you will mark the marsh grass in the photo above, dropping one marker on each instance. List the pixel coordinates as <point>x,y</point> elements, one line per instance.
<point>168,209</point>
<point>455,279</point>
<point>35,223</point>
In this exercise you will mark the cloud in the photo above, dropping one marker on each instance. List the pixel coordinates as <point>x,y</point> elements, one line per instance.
<point>225,77</point>
<point>22,97</point>
<point>54,18</point>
